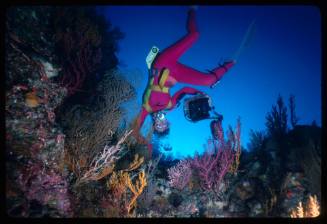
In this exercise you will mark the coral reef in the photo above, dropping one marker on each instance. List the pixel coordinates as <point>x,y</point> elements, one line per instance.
<point>311,209</point>
<point>136,189</point>
<point>45,186</point>
<point>104,163</point>
<point>69,151</point>
<point>218,159</point>
<point>38,182</point>
<point>179,175</point>
<point>83,40</point>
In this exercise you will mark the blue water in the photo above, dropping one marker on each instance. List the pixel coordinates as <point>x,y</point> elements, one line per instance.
<point>284,57</point>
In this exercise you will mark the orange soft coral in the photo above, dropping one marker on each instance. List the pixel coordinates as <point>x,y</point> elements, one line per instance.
<point>136,189</point>
<point>32,100</point>
<point>311,209</point>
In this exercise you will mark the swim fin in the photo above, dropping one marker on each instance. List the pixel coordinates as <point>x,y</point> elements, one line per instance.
<point>219,73</point>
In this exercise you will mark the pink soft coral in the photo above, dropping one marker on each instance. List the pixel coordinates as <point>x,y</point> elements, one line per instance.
<point>217,159</point>
<point>179,175</point>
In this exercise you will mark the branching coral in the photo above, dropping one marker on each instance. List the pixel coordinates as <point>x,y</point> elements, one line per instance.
<point>75,165</point>
<point>79,43</point>
<point>136,189</point>
<point>135,164</point>
<point>313,208</point>
<point>85,139</point>
<point>117,184</point>
<point>235,140</point>
<point>100,124</point>
<point>310,209</point>
<point>83,39</point>
<point>221,156</point>
<point>104,163</point>
<point>120,182</point>
<point>179,175</point>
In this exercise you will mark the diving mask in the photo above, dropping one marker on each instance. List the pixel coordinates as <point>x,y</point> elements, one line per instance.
<point>159,116</point>
<point>160,122</point>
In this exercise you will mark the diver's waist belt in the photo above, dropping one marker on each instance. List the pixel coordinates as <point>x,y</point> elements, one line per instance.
<point>155,88</point>
<point>158,88</point>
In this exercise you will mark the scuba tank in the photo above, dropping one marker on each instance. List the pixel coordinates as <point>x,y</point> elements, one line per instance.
<point>151,56</point>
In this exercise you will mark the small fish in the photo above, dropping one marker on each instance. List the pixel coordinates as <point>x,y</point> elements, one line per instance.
<point>32,100</point>
<point>167,148</point>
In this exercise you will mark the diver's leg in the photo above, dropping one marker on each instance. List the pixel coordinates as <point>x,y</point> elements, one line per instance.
<point>175,51</point>
<point>185,74</point>
<point>222,69</point>
<point>191,23</point>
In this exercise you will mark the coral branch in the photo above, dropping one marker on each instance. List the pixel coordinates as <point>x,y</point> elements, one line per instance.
<point>104,163</point>
<point>136,189</point>
<point>311,209</point>
<point>236,147</point>
<point>220,157</point>
<point>80,45</point>
<point>135,164</point>
<point>179,175</point>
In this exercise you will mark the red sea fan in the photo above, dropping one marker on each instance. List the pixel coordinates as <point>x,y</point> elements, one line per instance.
<point>217,159</point>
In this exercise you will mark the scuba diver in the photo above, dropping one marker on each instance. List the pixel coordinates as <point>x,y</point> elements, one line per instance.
<point>165,71</point>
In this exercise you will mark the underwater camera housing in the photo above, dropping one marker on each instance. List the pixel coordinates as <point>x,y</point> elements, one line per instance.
<point>197,108</point>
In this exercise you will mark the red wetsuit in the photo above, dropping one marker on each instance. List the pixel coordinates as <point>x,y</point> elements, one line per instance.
<point>169,71</point>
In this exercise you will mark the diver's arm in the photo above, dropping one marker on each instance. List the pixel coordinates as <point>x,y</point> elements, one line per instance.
<point>139,122</point>
<point>137,127</point>
<point>182,92</point>
<point>140,119</point>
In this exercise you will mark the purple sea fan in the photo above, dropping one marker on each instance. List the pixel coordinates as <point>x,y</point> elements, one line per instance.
<point>179,175</point>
